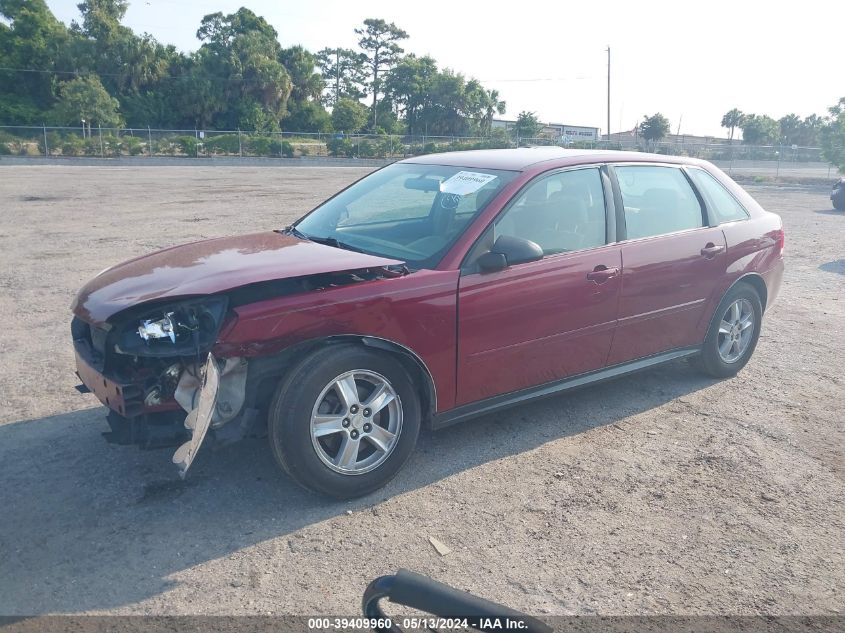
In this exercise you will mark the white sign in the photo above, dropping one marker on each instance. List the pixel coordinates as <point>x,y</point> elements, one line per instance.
<point>575,133</point>
<point>465,182</point>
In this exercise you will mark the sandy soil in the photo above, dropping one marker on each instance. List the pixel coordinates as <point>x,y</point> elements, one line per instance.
<point>661,493</point>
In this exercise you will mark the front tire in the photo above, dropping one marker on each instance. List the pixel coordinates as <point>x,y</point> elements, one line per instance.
<point>733,333</point>
<point>344,421</point>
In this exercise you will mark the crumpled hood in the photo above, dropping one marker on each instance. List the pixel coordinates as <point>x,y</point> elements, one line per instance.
<point>212,266</point>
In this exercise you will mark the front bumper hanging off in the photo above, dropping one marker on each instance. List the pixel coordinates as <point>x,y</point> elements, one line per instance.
<point>199,419</point>
<point>126,401</point>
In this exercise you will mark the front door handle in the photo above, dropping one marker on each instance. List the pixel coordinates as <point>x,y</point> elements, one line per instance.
<point>601,274</point>
<point>711,250</point>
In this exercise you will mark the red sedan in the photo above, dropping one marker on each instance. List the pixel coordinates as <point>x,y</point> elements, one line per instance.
<point>436,289</point>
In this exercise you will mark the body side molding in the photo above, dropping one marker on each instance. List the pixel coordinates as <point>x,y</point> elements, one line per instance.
<point>496,403</point>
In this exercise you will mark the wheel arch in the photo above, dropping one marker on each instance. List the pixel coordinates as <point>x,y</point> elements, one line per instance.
<point>269,369</point>
<point>755,280</point>
<point>415,366</point>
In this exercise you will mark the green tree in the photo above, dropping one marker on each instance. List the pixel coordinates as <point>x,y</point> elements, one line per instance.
<point>134,69</point>
<point>238,67</point>
<point>101,18</point>
<point>832,136</point>
<point>492,106</point>
<point>306,83</point>
<point>307,116</point>
<point>125,62</point>
<point>200,97</point>
<point>791,127</point>
<point>445,114</point>
<point>410,85</point>
<point>30,37</point>
<point>379,41</point>
<point>85,99</point>
<point>239,77</point>
<point>348,115</point>
<point>760,130</point>
<point>439,102</point>
<point>732,120</point>
<point>305,113</point>
<point>527,125</point>
<point>810,128</point>
<point>479,107</point>
<point>654,127</point>
<point>344,72</point>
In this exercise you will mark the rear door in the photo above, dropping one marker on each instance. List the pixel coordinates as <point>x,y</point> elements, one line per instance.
<point>672,261</point>
<point>538,322</point>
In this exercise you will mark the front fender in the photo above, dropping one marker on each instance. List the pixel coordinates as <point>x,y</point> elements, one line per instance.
<point>416,312</point>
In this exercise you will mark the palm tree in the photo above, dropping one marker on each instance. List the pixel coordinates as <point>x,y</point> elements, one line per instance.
<point>732,120</point>
<point>493,105</point>
<point>300,64</point>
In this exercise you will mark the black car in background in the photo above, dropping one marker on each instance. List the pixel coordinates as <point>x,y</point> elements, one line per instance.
<point>837,195</point>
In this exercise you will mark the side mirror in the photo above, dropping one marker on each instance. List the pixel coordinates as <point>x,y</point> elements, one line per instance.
<point>509,250</point>
<point>491,262</point>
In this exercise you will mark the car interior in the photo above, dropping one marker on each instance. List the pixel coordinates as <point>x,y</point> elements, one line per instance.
<point>561,213</point>
<point>658,200</point>
<point>425,237</point>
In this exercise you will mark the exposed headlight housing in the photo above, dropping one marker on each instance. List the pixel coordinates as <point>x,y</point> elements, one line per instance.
<point>183,328</point>
<point>163,328</point>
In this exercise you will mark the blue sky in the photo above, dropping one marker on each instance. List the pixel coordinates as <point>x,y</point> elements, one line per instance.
<point>690,61</point>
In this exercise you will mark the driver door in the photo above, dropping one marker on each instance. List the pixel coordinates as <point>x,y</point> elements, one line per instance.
<point>542,321</point>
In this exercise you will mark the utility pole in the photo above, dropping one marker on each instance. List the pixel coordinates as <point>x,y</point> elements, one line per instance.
<point>608,95</point>
<point>337,76</point>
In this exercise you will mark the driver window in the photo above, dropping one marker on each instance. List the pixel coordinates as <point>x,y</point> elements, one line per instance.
<point>562,212</point>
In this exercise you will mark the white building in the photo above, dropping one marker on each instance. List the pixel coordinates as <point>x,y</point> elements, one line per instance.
<point>559,132</point>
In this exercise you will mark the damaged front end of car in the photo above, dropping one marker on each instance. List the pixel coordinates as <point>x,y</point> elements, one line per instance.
<point>153,335</point>
<point>152,365</point>
<point>168,373</point>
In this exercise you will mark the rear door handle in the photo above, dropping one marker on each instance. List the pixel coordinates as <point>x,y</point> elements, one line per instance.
<point>711,250</point>
<point>601,274</point>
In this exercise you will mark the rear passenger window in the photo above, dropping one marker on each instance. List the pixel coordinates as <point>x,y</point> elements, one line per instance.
<point>657,200</point>
<point>562,212</point>
<point>718,199</point>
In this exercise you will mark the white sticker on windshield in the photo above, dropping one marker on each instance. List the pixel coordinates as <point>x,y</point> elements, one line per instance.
<point>465,182</point>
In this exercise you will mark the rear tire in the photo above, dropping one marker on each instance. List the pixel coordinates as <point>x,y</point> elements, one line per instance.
<point>837,196</point>
<point>733,333</point>
<point>344,421</point>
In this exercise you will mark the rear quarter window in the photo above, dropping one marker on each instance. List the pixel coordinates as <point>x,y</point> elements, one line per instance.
<point>719,200</point>
<point>657,200</point>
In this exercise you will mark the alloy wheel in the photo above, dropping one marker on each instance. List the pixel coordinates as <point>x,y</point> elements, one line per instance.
<point>356,421</point>
<point>736,330</point>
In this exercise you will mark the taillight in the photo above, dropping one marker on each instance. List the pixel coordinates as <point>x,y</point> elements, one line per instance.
<point>781,240</point>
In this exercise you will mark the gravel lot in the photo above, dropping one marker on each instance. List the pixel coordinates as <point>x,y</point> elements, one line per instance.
<point>661,493</point>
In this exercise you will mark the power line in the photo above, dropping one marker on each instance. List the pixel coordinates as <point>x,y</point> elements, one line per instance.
<point>224,78</point>
<point>103,74</point>
<point>50,72</point>
<point>82,73</point>
<point>578,78</point>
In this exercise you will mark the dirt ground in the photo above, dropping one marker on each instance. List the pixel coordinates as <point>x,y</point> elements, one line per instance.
<point>663,493</point>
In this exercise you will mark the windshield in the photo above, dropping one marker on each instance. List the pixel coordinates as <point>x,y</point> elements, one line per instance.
<point>405,211</point>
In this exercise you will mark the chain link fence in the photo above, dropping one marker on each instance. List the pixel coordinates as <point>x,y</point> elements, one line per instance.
<point>51,141</point>
<point>65,142</point>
